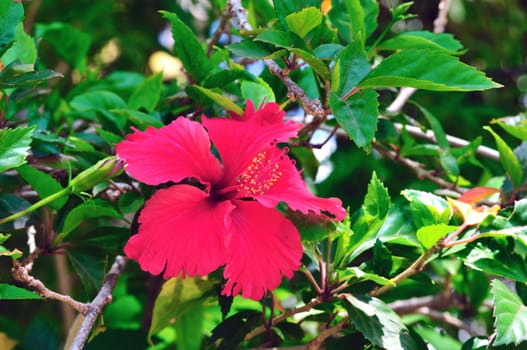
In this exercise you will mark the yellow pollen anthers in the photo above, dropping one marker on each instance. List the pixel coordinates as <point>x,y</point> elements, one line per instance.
<point>260,175</point>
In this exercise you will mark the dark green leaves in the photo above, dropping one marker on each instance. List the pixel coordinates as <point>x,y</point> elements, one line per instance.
<point>357,115</point>
<point>69,42</point>
<point>147,94</point>
<point>427,70</point>
<point>17,75</point>
<point>11,13</point>
<point>510,314</point>
<point>14,147</point>
<point>188,48</point>
<point>43,183</point>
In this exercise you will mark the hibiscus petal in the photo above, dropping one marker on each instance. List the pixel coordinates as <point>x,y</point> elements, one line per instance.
<point>262,246</point>
<point>182,231</point>
<point>288,186</point>
<point>239,140</point>
<point>177,151</point>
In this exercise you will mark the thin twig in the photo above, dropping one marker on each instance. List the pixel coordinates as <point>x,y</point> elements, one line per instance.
<point>316,343</point>
<point>21,273</point>
<point>261,329</point>
<point>217,34</point>
<point>95,307</point>
<point>417,168</point>
<point>447,318</point>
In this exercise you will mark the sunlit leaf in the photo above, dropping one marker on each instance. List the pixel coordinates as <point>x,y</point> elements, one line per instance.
<point>424,40</point>
<point>477,194</point>
<point>427,208</point>
<point>223,101</point>
<point>378,323</point>
<point>429,235</point>
<point>508,160</point>
<point>14,146</point>
<point>304,21</point>
<point>510,315</point>
<point>427,70</point>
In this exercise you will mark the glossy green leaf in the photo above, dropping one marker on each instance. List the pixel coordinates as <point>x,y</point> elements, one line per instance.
<point>23,49</point>
<point>14,146</point>
<point>423,39</point>
<point>285,7</point>
<point>314,62</point>
<point>276,37</point>
<point>371,216</point>
<point>357,115</point>
<point>257,92</point>
<point>94,208</point>
<point>147,94</point>
<point>221,100</point>
<point>69,42</point>
<point>327,51</point>
<point>355,274</point>
<point>378,323</point>
<point>11,13</point>
<point>510,315</point>
<point>508,160</point>
<point>250,49</point>
<point>10,292</point>
<point>97,100</point>
<point>516,125</point>
<point>352,17</point>
<point>18,75</point>
<point>43,183</point>
<point>177,297</point>
<point>188,48</point>
<point>431,234</point>
<point>427,208</point>
<point>304,21</point>
<point>427,70</point>
<point>497,262</point>
<point>139,119</point>
<point>351,67</point>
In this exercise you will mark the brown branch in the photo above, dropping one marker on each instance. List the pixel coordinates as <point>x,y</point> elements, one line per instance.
<point>316,343</point>
<point>447,318</point>
<point>417,168</point>
<point>294,91</point>
<point>21,272</point>
<point>95,307</point>
<point>217,34</point>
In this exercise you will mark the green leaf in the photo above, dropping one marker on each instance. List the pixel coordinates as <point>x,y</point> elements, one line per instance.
<point>357,115</point>
<point>276,37</point>
<point>94,208</point>
<point>378,323</point>
<point>251,49</point>
<point>11,13</point>
<point>130,202</point>
<point>327,51</point>
<point>97,100</point>
<point>17,75</point>
<point>177,297</point>
<point>424,40</point>
<point>23,49</point>
<point>189,330</point>
<point>372,214</point>
<point>223,101</point>
<point>147,94</point>
<point>10,292</point>
<point>285,7</point>
<point>43,183</point>
<point>427,208</point>
<point>498,262</point>
<point>427,70</point>
<point>351,67</point>
<point>257,93</point>
<point>516,125</point>
<point>139,119</point>
<point>429,235</point>
<point>314,62</point>
<point>14,147</point>
<point>382,259</point>
<point>510,314</point>
<point>70,43</point>
<point>188,48</point>
<point>361,276</point>
<point>508,160</point>
<point>356,13</point>
<point>304,21</point>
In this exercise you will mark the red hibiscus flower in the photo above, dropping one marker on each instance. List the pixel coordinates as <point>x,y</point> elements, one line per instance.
<point>222,209</point>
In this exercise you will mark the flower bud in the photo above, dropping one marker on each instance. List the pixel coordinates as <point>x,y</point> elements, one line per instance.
<point>104,169</point>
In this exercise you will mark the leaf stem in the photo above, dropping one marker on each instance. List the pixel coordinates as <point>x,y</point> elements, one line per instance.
<point>37,205</point>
